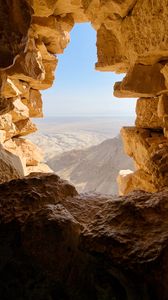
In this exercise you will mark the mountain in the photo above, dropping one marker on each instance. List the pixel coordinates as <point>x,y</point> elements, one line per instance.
<point>59,134</point>
<point>95,168</point>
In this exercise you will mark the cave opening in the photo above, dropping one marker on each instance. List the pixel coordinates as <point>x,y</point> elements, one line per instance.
<point>81,113</point>
<point>54,240</point>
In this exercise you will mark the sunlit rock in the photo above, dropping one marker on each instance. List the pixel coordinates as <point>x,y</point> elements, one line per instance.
<point>147,113</point>
<point>141,81</point>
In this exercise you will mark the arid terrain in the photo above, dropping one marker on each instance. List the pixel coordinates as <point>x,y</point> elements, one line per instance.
<point>86,151</point>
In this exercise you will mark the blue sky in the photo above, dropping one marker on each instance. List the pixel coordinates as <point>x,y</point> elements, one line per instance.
<point>78,89</point>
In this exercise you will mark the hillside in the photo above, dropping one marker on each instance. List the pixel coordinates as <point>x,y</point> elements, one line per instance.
<point>95,168</point>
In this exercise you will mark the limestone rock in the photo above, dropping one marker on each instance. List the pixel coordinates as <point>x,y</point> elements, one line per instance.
<point>147,113</point>
<point>131,38</point>
<point>75,8</point>
<point>98,11</point>
<point>7,125</point>
<point>143,32</point>
<point>142,81</point>
<point>26,149</point>
<point>164,71</point>
<point>39,168</point>
<point>49,62</point>
<point>13,87</point>
<point>43,8</point>
<point>11,165</point>
<point>2,136</point>
<point>149,150</point>
<point>162,109</point>
<point>124,181</point>
<point>50,32</point>
<point>28,66</point>
<point>24,127</point>
<point>110,53</point>
<point>15,19</point>
<point>6,105</point>
<point>129,181</point>
<point>34,104</point>
<point>19,111</point>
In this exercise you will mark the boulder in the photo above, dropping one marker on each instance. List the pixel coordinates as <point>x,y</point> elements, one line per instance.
<point>147,113</point>
<point>60,245</point>
<point>141,81</point>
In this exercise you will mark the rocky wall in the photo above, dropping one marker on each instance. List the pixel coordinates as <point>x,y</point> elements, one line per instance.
<point>58,245</point>
<point>131,38</point>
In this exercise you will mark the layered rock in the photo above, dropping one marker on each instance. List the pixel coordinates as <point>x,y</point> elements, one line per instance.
<point>28,45</point>
<point>147,144</point>
<point>56,244</point>
<point>131,38</point>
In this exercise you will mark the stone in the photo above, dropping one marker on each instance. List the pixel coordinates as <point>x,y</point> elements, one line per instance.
<point>110,54</point>
<point>141,81</point>
<point>7,124</point>
<point>24,127</point>
<point>165,133</point>
<point>43,8</point>
<point>11,165</point>
<point>25,149</point>
<point>6,105</point>
<point>149,150</point>
<point>129,181</point>
<point>164,71</point>
<point>143,34</point>
<point>124,180</point>
<point>98,11</point>
<point>34,104</point>
<point>147,113</point>
<point>11,88</point>
<point>66,22</point>
<point>15,22</point>
<point>75,8</point>
<point>141,145</point>
<point>2,136</point>
<point>28,66</point>
<point>49,63</point>
<point>162,109</point>
<point>39,168</point>
<point>19,111</point>
<point>131,39</point>
<point>81,246</point>
<point>35,188</point>
<point>50,31</point>
<point>165,122</point>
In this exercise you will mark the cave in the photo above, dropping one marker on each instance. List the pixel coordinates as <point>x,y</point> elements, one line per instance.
<point>57,244</point>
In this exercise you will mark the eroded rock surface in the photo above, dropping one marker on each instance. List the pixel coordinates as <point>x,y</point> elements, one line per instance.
<point>131,38</point>
<point>56,244</point>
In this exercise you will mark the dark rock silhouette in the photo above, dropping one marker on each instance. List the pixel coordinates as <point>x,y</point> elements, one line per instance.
<point>56,244</point>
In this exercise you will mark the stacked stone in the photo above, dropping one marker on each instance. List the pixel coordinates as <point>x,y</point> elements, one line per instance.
<point>31,36</point>
<point>132,38</point>
<point>32,32</point>
<point>147,144</point>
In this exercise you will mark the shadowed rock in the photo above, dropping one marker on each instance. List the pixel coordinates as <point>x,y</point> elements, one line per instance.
<point>56,244</point>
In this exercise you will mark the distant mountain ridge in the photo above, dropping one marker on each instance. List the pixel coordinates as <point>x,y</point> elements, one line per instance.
<point>95,168</point>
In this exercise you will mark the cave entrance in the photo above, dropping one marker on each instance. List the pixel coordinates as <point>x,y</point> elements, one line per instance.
<point>79,133</point>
